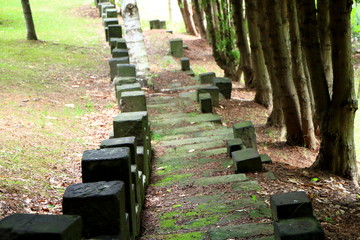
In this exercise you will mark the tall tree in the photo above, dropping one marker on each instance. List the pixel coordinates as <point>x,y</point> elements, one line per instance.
<point>199,18</point>
<point>30,27</point>
<point>187,15</point>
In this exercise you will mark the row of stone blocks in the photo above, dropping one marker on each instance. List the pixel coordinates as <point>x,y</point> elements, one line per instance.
<point>293,217</point>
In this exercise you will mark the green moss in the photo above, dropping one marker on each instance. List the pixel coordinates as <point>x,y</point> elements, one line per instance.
<point>177,205</point>
<point>168,215</point>
<point>171,179</point>
<point>185,236</point>
<point>168,223</point>
<point>201,222</point>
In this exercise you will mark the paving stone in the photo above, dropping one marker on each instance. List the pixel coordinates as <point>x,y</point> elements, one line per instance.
<point>113,62</point>
<point>240,231</point>
<point>40,227</point>
<point>205,102</point>
<point>176,48</point>
<point>101,206</point>
<point>192,140</point>
<point>214,92</point>
<point>224,84</point>
<point>206,117</point>
<point>246,131</point>
<point>233,145</point>
<point>225,132</point>
<point>290,205</point>
<point>196,147</point>
<point>127,88</point>
<point>220,179</point>
<point>133,101</point>
<point>298,228</point>
<point>246,186</point>
<point>119,53</point>
<point>247,160</point>
<point>187,129</point>
<point>206,78</point>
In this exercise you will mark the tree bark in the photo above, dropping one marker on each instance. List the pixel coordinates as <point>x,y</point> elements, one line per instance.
<point>30,27</point>
<point>337,150</point>
<point>186,13</point>
<point>289,98</point>
<point>135,38</point>
<point>300,79</point>
<point>242,42</point>
<point>263,89</point>
<point>199,19</point>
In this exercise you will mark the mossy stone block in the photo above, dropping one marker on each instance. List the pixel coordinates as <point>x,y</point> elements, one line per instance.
<point>154,24</point>
<point>111,13</point>
<point>121,44</point>
<point>246,131</point>
<point>298,229</point>
<point>185,64</point>
<point>102,6</point>
<point>126,70</point>
<point>205,102</point>
<point>115,31</point>
<point>133,101</point>
<point>101,206</point>
<point>162,24</point>
<point>176,48</point>
<point>144,162</point>
<point>118,81</point>
<point>247,160</point>
<point>136,179</point>
<point>290,205</point>
<point>113,62</point>
<point>113,42</point>
<point>131,124</point>
<point>233,145</point>
<point>214,93</point>
<point>110,21</point>
<point>206,78</point>
<point>128,142</point>
<point>265,158</point>
<point>40,227</point>
<point>118,53</point>
<point>224,84</point>
<point>127,88</point>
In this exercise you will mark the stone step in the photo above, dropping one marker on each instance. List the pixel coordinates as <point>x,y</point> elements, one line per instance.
<point>194,140</point>
<point>208,117</point>
<point>202,126</point>
<point>221,131</point>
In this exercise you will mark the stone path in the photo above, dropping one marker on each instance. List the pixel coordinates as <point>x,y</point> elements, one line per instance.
<point>194,193</point>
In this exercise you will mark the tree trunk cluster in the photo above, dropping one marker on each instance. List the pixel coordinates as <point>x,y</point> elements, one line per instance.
<point>296,54</point>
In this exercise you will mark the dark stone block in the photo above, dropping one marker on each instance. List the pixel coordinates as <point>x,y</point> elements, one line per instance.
<point>113,62</point>
<point>102,6</point>
<point>119,81</point>
<point>247,160</point>
<point>162,25</point>
<point>299,229</point>
<point>118,53</point>
<point>127,88</point>
<point>121,44</point>
<point>144,162</point>
<point>110,21</point>
<point>214,92</point>
<point>113,42</point>
<point>128,142</point>
<point>246,131</point>
<point>106,164</point>
<point>233,145</point>
<point>176,48</point>
<point>131,124</point>
<point>224,84</point>
<point>205,102</point>
<point>206,78</point>
<point>290,205</point>
<point>136,179</point>
<point>126,70</point>
<point>265,158</point>
<point>115,31</point>
<point>133,101</point>
<point>155,24</point>
<point>101,206</point>
<point>111,13</point>
<point>40,227</point>
<point>185,64</point>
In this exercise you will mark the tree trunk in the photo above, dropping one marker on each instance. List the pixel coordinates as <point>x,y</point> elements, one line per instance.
<point>289,99</point>
<point>325,41</point>
<point>198,18</point>
<point>30,27</point>
<point>242,42</point>
<point>263,89</point>
<point>300,79</point>
<point>337,151</point>
<point>135,38</point>
<point>186,13</point>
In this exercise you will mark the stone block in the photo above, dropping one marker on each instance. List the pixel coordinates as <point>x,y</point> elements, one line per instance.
<point>106,164</point>
<point>115,31</point>
<point>138,186</point>
<point>131,124</point>
<point>224,84</point>
<point>247,160</point>
<point>127,88</point>
<point>101,206</point>
<point>233,145</point>
<point>154,24</point>
<point>40,227</point>
<point>185,64</point>
<point>118,81</point>
<point>118,53</point>
<point>205,102</point>
<point>128,142</point>
<point>246,131</point>
<point>104,5</point>
<point>110,21</point>
<point>290,205</point>
<point>144,162</point>
<point>176,48</point>
<point>298,228</point>
<point>121,44</point>
<point>113,62</point>
<point>265,158</point>
<point>133,101</point>
<point>126,70</point>
<point>111,13</point>
<point>113,42</point>
<point>206,78</point>
<point>162,24</point>
<point>214,93</point>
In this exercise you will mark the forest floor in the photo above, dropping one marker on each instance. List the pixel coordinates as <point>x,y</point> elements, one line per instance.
<point>336,201</point>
